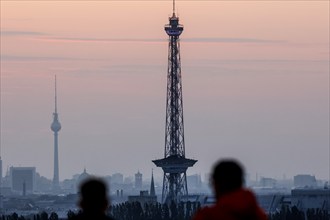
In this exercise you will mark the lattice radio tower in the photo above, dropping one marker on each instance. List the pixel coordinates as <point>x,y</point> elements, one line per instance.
<point>174,163</point>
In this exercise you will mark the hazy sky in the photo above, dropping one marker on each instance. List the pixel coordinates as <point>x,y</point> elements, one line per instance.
<point>255,85</point>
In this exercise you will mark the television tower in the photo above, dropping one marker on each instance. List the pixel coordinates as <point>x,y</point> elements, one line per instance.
<point>56,127</point>
<point>174,163</point>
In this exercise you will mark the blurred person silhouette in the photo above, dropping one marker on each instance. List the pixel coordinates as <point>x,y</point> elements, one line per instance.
<point>93,200</point>
<point>233,201</point>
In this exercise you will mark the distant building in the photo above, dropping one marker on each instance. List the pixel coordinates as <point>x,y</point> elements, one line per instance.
<point>311,199</point>
<point>138,180</point>
<point>152,186</point>
<point>129,180</point>
<point>23,179</point>
<point>267,182</point>
<point>304,180</point>
<point>69,186</point>
<point>194,181</point>
<point>144,196</point>
<point>117,178</point>
<point>83,176</point>
<point>42,183</point>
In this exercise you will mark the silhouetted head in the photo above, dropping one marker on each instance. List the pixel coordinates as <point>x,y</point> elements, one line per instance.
<point>227,176</point>
<point>93,196</point>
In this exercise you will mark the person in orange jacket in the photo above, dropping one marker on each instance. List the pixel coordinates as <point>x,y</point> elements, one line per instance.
<point>233,201</point>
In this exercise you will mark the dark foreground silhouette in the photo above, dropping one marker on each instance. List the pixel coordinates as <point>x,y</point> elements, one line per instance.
<point>93,201</point>
<point>233,202</point>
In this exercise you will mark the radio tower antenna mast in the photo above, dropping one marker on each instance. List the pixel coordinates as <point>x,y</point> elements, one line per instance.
<point>174,163</point>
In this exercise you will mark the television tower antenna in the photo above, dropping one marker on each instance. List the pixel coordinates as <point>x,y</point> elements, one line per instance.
<point>55,95</point>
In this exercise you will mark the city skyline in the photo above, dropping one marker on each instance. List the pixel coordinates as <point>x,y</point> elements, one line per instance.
<point>255,85</point>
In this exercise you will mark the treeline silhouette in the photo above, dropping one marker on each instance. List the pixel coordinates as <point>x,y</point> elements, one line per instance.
<point>40,216</point>
<point>181,211</point>
<point>156,211</point>
<point>293,213</point>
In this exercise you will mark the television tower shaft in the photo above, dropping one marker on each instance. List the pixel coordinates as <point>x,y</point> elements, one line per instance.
<point>56,127</point>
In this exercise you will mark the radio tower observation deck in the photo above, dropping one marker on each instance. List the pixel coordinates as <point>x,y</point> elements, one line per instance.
<point>174,163</point>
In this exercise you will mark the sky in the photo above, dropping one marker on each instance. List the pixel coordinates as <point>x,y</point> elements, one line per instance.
<point>255,85</point>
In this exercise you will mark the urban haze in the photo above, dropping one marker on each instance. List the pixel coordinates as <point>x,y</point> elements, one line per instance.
<point>255,87</point>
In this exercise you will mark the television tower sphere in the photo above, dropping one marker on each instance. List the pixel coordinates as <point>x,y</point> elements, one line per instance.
<point>55,126</point>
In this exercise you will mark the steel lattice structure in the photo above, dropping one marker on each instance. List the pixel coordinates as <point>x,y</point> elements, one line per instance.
<point>174,163</point>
